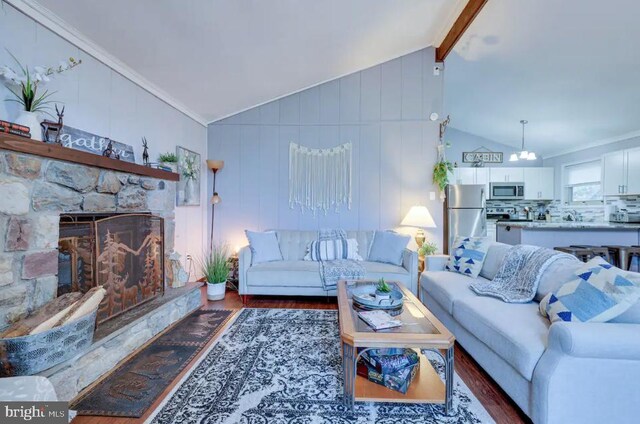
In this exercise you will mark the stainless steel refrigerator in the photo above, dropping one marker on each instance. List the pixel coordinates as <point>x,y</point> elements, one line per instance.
<point>465,212</point>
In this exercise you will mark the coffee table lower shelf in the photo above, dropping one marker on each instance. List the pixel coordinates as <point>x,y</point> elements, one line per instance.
<point>426,387</point>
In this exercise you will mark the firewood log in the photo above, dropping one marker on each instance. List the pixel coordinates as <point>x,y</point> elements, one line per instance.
<point>54,309</point>
<point>84,306</point>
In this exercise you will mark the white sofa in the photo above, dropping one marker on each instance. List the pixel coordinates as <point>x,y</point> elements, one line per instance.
<point>556,373</point>
<point>296,277</point>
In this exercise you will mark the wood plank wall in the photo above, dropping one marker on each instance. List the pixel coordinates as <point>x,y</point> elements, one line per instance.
<point>384,111</point>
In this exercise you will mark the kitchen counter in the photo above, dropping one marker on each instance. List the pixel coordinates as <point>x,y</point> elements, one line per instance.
<point>567,233</point>
<point>570,225</point>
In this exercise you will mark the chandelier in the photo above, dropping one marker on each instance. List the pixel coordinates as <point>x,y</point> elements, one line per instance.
<point>523,154</point>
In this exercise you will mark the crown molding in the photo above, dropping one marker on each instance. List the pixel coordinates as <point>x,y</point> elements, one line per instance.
<point>597,143</point>
<point>51,21</point>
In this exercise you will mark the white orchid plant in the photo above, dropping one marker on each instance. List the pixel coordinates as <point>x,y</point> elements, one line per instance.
<point>25,83</point>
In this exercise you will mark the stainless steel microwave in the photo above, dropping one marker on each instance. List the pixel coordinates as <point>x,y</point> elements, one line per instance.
<point>506,191</point>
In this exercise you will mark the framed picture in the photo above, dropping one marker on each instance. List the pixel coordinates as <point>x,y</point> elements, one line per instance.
<point>188,191</point>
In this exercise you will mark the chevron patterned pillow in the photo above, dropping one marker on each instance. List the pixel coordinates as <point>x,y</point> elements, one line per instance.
<point>599,293</point>
<point>468,255</point>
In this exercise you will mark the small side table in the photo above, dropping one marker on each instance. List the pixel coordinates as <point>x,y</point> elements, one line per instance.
<point>233,278</point>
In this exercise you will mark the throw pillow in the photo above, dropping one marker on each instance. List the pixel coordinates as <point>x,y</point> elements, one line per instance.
<point>264,247</point>
<point>387,247</point>
<point>330,250</point>
<point>467,255</point>
<point>599,292</point>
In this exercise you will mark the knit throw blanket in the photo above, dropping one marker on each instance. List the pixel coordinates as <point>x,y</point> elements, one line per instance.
<point>339,269</point>
<point>519,275</point>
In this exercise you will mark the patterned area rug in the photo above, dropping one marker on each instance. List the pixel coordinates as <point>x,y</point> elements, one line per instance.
<point>284,366</point>
<point>132,388</point>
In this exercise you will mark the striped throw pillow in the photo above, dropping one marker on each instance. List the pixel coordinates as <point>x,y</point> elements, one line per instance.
<point>330,250</point>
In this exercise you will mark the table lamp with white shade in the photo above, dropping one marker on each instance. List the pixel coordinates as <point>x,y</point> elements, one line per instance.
<point>420,218</point>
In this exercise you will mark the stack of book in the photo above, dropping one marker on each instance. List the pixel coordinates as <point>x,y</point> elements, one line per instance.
<point>15,129</point>
<point>392,368</point>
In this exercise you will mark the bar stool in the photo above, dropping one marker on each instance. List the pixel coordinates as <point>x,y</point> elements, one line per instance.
<point>583,254</point>
<point>601,251</point>
<point>626,255</point>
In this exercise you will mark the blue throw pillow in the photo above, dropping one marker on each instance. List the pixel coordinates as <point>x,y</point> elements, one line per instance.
<point>264,247</point>
<point>387,247</point>
<point>468,255</point>
<point>599,292</point>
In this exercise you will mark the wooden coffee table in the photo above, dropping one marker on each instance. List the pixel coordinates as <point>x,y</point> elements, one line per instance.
<point>420,330</point>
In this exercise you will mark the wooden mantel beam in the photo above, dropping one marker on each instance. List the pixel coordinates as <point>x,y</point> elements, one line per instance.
<point>458,28</point>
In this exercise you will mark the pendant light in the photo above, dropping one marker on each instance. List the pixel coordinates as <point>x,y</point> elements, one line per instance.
<point>523,154</point>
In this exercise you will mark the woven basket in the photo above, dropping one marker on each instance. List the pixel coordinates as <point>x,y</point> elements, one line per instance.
<point>31,354</point>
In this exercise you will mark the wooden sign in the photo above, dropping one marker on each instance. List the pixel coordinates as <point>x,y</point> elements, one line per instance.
<point>485,157</point>
<point>87,142</point>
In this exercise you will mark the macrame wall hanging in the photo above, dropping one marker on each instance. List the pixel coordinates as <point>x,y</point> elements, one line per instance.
<point>319,179</point>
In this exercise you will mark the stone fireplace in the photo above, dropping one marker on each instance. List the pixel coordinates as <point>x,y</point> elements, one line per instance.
<point>67,226</point>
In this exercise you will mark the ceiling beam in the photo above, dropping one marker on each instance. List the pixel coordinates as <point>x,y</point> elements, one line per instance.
<point>458,28</point>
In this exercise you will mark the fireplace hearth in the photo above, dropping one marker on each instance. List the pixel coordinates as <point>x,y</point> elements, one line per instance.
<point>122,252</point>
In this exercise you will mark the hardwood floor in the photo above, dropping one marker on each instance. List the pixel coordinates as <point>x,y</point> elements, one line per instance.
<point>492,397</point>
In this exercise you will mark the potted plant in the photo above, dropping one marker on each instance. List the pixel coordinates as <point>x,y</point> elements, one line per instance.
<point>24,86</point>
<point>441,172</point>
<point>428,248</point>
<point>383,290</point>
<point>170,160</point>
<point>215,267</point>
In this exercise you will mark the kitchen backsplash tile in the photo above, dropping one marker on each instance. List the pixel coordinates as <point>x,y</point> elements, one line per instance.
<point>558,211</point>
<point>630,203</point>
<point>535,205</point>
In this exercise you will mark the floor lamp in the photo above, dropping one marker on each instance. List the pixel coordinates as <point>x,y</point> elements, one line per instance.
<point>214,166</point>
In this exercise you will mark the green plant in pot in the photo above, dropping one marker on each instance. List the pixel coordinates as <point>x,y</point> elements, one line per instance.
<point>170,160</point>
<point>428,248</point>
<point>215,267</point>
<point>383,290</point>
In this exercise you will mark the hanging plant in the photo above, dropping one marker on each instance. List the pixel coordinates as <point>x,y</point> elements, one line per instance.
<point>441,173</point>
<point>442,167</point>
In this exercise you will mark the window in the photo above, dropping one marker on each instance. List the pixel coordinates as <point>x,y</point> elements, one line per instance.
<point>582,183</point>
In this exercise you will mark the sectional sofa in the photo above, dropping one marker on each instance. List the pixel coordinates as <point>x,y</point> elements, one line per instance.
<point>559,373</point>
<point>297,277</point>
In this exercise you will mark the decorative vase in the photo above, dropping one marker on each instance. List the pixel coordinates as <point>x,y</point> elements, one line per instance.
<point>188,190</point>
<point>31,120</point>
<point>216,291</point>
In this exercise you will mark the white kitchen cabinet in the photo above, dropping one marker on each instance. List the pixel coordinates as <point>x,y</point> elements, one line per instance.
<point>621,173</point>
<point>506,175</point>
<point>632,185</point>
<point>464,175</point>
<point>482,176</point>
<point>614,173</point>
<point>538,183</point>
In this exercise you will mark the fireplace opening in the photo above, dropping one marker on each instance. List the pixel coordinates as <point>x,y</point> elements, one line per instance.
<point>123,252</point>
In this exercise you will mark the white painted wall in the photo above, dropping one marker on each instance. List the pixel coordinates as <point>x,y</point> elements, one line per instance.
<point>101,101</point>
<point>382,110</point>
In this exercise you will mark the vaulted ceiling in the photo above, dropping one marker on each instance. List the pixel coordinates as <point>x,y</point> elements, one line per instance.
<point>570,67</point>
<point>219,57</point>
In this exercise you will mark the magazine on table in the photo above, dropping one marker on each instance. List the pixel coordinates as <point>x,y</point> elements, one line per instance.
<point>379,320</point>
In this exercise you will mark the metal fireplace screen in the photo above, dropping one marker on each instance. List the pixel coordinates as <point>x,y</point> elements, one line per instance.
<point>123,253</point>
